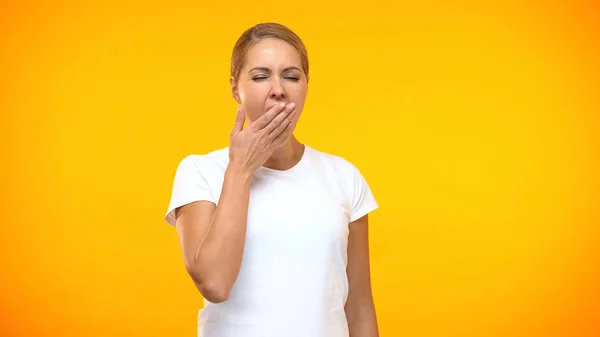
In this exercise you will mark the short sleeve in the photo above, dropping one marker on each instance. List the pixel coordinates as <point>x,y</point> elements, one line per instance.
<point>363,201</point>
<point>189,185</point>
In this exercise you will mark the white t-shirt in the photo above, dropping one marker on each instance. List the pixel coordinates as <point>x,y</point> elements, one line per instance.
<point>293,280</point>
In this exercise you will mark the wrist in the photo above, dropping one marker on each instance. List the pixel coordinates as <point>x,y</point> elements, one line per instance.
<point>239,172</point>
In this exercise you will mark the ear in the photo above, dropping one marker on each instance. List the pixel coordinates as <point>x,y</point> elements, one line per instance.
<point>235,90</point>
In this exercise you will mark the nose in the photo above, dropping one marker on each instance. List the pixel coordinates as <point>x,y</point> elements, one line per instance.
<point>277,92</point>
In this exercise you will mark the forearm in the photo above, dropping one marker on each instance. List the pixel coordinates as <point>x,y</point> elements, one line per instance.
<point>222,249</point>
<point>362,319</point>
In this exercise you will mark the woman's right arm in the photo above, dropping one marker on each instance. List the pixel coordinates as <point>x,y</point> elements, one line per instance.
<point>212,237</point>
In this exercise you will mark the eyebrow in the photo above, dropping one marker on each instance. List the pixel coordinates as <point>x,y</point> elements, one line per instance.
<point>269,70</point>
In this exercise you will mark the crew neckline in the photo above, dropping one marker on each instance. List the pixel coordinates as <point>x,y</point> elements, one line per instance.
<point>298,166</point>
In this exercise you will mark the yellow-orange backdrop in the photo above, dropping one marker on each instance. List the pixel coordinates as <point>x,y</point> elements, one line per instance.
<point>476,125</point>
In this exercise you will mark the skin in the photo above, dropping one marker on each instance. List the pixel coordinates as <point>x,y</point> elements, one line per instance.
<point>360,308</point>
<point>273,74</point>
<point>212,238</point>
<point>282,80</point>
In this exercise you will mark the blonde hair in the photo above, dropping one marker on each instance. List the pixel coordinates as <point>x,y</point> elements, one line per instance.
<point>259,32</point>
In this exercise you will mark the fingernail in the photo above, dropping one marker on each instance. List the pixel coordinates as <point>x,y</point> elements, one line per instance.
<point>282,104</point>
<point>292,105</point>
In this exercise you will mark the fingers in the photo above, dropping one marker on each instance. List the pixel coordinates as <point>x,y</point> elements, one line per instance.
<point>277,127</point>
<point>287,127</point>
<point>239,120</point>
<point>280,118</point>
<point>265,119</point>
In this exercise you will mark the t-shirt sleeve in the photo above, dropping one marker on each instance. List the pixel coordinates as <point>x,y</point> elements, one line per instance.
<point>363,200</point>
<point>189,185</point>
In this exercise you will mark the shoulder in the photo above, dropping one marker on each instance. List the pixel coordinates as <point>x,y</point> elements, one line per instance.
<point>203,163</point>
<point>214,156</point>
<point>350,181</point>
<point>338,163</point>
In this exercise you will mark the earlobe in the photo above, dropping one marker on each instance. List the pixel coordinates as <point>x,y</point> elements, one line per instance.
<point>234,90</point>
<point>236,97</point>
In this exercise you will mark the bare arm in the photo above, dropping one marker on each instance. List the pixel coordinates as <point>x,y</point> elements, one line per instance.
<point>360,309</point>
<point>212,237</point>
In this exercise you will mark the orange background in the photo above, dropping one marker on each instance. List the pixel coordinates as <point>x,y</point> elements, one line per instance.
<point>476,125</point>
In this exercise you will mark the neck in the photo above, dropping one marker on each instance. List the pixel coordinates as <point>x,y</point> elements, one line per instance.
<point>287,156</point>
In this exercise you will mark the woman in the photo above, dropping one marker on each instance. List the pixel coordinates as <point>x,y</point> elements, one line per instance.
<point>273,232</point>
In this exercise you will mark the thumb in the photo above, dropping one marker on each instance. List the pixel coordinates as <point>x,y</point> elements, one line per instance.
<point>239,120</point>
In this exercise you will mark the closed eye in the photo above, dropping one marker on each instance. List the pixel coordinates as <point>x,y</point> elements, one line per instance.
<point>295,79</point>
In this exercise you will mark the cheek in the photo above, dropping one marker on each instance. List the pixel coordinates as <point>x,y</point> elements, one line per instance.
<point>297,115</point>
<point>253,107</point>
<point>250,101</point>
<point>298,95</point>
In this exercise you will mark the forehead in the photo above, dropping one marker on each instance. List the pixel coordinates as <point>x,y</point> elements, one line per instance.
<point>274,53</point>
